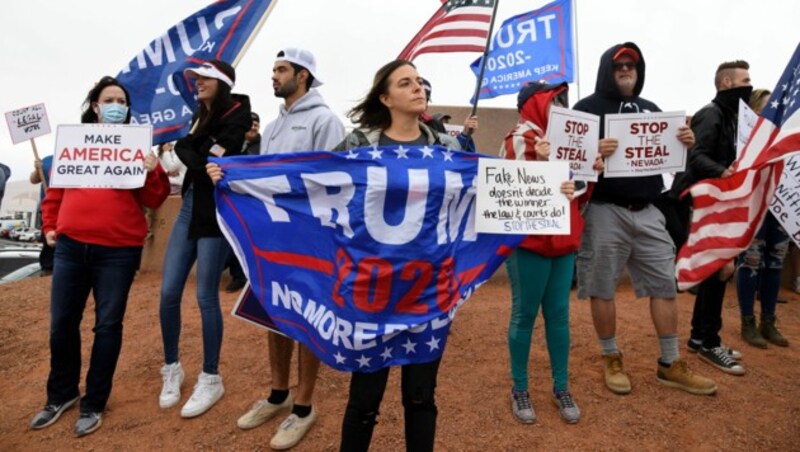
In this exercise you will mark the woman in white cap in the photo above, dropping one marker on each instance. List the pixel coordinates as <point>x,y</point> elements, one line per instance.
<point>218,128</point>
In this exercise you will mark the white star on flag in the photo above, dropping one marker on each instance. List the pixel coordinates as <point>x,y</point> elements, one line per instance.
<point>433,343</point>
<point>339,358</point>
<point>409,346</point>
<point>426,152</point>
<point>774,104</point>
<point>363,361</point>
<point>387,353</point>
<point>401,152</point>
<point>376,154</point>
<point>351,155</point>
<point>448,155</point>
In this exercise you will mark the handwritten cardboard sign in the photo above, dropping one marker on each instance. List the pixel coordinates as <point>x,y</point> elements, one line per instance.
<point>785,204</point>
<point>100,156</point>
<point>28,122</point>
<point>519,197</point>
<point>573,137</point>
<point>648,144</point>
<point>747,120</point>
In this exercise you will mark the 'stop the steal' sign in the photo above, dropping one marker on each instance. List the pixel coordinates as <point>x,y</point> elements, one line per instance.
<point>363,256</point>
<point>519,197</point>
<point>28,122</point>
<point>648,144</point>
<point>573,136</point>
<point>100,156</point>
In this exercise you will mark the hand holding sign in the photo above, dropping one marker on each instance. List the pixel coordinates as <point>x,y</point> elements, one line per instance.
<point>519,197</point>
<point>574,135</point>
<point>650,144</point>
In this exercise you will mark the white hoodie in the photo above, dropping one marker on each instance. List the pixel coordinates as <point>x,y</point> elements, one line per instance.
<point>308,125</point>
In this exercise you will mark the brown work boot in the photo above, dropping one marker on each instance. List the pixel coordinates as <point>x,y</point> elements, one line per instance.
<point>615,377</point>
<point>678,375</point>
<point>750,332</point>
<point>770,331</point>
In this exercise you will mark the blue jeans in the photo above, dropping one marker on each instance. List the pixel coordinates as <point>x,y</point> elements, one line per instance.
<point>760,266</point>
<point>210,254</point>
<point>107,272</point>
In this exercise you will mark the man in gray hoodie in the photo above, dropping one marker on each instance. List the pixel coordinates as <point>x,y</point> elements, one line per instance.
<point>304,123</point>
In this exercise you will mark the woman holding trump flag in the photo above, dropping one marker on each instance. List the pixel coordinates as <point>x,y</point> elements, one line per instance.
<point>98,234</point>
<point>218,128</point>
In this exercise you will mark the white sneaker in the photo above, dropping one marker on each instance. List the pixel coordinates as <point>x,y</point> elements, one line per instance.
<point>292,430</point>
<point>261,412</point>
<point>207,391</point>
<point>173,376</point>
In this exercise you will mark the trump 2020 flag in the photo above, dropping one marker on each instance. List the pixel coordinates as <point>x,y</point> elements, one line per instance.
<point>222,31</point>
<point>363,256</point>
<point>536,45</point>
<point>728,212</point>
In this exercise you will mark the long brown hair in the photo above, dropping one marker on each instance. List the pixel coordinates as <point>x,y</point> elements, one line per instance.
<point>371,113</point>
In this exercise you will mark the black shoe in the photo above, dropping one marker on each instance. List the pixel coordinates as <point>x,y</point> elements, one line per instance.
<point>719,358</point>
<point>50,414</point>
<point>87,423</point>
<point>235,285</point>
<point>694,347</point>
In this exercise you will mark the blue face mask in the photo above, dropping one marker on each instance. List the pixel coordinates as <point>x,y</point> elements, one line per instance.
<point>113,113</point>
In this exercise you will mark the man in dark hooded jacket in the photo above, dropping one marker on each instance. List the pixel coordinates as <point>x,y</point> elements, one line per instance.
<point>624,228</point>
<point>715,127</point>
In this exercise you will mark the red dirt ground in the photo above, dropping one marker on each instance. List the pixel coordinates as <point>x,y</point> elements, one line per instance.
<point>759,411</point>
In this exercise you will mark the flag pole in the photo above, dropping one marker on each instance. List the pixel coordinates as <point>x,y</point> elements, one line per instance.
<point>574,20</point>
<point>483,60</point>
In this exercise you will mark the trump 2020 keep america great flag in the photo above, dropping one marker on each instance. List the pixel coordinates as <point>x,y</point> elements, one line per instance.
<point>363,256</point>
<point>729,211</point>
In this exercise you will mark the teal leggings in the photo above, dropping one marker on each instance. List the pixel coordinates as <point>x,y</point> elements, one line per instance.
<point>539,281</point>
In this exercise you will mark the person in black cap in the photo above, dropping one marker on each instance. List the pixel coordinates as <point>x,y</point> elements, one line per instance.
<point>218,128</point>
<point>624,228</point>
<point>252,139</point>
<point>436,122</point>
<point>541,269</point>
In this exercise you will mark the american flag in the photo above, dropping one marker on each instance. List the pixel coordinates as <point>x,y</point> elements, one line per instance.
<point>728,212</point>
<point>457,26</point>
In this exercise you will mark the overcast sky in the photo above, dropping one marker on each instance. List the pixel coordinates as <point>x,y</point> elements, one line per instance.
<point>53,51</point>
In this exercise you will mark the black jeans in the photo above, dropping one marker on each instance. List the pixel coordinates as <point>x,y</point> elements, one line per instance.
<point>366,392</point>
<point>108,273</point>
<point>707,315</point>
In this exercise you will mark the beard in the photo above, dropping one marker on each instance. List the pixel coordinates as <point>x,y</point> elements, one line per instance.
<point>287,89</point>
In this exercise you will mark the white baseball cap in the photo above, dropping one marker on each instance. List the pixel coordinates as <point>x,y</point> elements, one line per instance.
<point>303,58</point>
<point>219,70</point>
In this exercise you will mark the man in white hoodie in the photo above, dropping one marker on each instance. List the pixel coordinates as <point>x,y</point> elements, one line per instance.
<point>304,123</point>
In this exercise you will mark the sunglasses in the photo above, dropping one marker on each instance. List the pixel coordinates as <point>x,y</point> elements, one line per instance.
<point>629,65</point>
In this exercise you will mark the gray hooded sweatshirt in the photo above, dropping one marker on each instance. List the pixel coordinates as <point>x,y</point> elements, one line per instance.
<point>308,125</point>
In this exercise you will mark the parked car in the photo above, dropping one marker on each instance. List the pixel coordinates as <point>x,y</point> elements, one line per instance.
<point>33,269</point>
<point>15,258</point>
<point>30,235</point>
<point>14,234</point>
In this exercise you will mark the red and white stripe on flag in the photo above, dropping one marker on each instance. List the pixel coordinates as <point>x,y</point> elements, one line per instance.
<point>728,212</point>
<point>457,26</point>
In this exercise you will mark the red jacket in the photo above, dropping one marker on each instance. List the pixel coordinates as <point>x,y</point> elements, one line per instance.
<point>519,145</point>
<point>104,216</point>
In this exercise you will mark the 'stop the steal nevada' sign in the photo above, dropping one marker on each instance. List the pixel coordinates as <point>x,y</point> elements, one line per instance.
<point>363,256</point>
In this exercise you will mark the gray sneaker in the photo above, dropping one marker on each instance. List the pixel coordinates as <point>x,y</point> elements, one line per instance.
<point>522,407</point>
<point>50,414</point>
<point>567,408</point>
<point>87,423</point>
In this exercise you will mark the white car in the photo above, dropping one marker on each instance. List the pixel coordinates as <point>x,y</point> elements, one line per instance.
<point>29,235</point>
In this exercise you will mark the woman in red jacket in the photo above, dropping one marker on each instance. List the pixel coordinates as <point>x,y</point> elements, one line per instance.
<point>541,269</point>
<point>98,234</point>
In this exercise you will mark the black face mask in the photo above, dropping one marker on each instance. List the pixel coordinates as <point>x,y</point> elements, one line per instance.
<point>730,97</point>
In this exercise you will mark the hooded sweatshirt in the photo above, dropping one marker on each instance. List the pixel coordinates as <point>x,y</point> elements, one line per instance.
<point>227,130</point>
<point>607,100</point>
<point>519,145</point>
<point>308,125</point>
